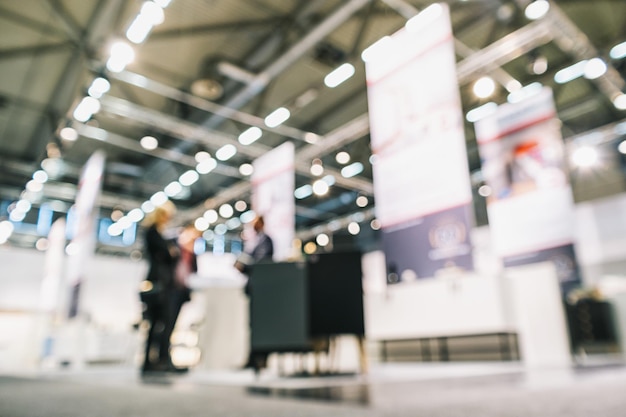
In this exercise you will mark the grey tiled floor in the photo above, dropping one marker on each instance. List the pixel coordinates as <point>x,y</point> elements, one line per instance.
<point>409,389</point>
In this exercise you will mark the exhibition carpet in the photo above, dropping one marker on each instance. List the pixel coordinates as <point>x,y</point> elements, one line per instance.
<point>400,389</point>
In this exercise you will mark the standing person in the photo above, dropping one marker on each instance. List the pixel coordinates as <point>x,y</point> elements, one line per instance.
<point>162,256</point>
<point>261,250</point>
<point>186,266</point>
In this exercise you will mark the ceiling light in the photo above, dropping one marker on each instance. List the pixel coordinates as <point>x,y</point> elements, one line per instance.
<point>40,176</point>
<point>310,248</point>
<point>362,201</point>
<point>339,75</point>
<point>329,179</point>
<point>226,152</point>
<point>354,228</point>
<point>570,73</point>
<point>115,230</point>
<point>34,186</point>
<point>135,215</point>
<point>69,134</point>
<point>241,206</point>
<point>622,147</point>
<point>246,169</point>
<point>173,188</point>
<point>320,187</point>
<point>342,157</point>
<point>206,166</point>
<point>595,68</point>
<point>98,87</point>
<point>322,239</point>
<point>620,102</point>
<point>149,143</point>
<point>277,117</point>
<point>202,156</point>
<point>201,224</point>
<point>375,224</point>
<point>585,156</point>
<point>303,191</point>
<point>226,211</point>
<point>484,87</point>
<point>210,215</point>
<point>317,168</point>
<point>189,177</point>
<point>139,29</point>
<point>351,170</point>
<point>147,206</point>
<point>484,191</point>
<point>310,137</point>
<point>221,229</point>
<point>539,65</point>
<point>158,198</point>
<point>87,107</point>
<point>537,9</point>
<point>513,85</point>
<point>152,12</point>
<point>618,51</point>
<point>250,135</point>
<point>122,54</point>
<point>248,216</point>
<point>478,113</point>
<point>233,223</point>
<point>207,88</point>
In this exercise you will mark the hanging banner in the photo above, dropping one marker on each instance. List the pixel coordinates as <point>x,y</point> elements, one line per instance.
<point>531,208</point>
<point>273,185</point>
<point>84,233</point>
<point>421,176</point>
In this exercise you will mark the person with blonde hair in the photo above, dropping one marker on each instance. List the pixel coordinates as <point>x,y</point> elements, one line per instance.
<point>162,256</point>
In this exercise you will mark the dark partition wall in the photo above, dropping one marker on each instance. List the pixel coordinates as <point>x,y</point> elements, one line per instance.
<point>336,294</point>
<point>292,303</point>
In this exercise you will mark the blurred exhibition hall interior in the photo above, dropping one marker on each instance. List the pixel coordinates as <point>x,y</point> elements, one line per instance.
<point>444,185</point>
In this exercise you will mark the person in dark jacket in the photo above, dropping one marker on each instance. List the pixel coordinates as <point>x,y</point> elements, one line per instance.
<point>157,289</point>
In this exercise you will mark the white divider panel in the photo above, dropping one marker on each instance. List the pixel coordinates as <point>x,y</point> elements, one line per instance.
<point>539,315</point>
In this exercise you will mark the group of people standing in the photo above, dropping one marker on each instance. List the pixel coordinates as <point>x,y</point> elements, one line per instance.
<point>171,262</point>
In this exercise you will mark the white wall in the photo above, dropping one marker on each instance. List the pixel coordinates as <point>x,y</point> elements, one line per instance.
<point>449,304</point>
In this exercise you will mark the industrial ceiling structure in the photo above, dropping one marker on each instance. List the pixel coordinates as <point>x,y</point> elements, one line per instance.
<point>207,72</point>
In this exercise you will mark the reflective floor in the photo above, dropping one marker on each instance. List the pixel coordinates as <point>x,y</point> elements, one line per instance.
<point>407,389</point>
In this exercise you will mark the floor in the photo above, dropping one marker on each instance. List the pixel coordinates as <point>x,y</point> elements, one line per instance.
<point>593,389</point>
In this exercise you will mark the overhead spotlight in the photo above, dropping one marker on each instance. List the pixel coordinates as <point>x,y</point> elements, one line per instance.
<point>277,117</point>
<point>68,133</point>
<point>537,9</point>
<point>339,75</point>
<point>620,102</point>
<point>149,143</point>
<point>317,168</point>
<point>342,157</point>
<point>618,51</point>
<point>484,87</point>
<point>226,152</point>
<point>98,87</point>
<point>538,64</point>
<point>585,156</point>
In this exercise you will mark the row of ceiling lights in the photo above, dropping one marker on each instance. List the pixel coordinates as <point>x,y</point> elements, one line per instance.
<point>122,54</point>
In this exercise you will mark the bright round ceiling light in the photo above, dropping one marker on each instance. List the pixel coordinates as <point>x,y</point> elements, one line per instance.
<point>484,87</point>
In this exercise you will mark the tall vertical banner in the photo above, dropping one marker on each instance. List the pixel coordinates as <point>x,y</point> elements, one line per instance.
<point>531,208</point>
<point>83,243</point>
<point>273,185</point>
<point>421,176</point>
